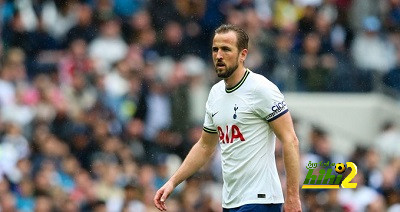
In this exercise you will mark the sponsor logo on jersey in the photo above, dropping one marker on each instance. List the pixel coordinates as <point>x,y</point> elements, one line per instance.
<point>228,138</point>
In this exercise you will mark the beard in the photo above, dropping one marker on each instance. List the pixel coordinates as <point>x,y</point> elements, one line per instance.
<point>229,70</point>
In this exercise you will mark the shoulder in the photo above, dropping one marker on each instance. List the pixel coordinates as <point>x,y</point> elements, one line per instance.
<point>217,87</point>
<point>216,91</point>
<point>262,84</point>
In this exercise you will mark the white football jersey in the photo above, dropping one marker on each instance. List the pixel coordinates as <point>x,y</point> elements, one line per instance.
<point>240,116</point>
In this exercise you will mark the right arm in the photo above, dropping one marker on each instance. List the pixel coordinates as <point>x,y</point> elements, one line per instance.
<point>198,156</point>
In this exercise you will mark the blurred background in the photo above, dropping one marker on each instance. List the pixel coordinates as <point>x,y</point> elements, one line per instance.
<point>100,100</point>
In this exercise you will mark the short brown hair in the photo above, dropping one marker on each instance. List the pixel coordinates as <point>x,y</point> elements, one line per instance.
<point>242,37</point>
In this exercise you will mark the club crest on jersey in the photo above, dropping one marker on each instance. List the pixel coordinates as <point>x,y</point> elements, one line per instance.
<point>228,136</point>
<point>235,109</point>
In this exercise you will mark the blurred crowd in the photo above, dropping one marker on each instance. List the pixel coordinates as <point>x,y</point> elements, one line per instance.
<point>100,100</point>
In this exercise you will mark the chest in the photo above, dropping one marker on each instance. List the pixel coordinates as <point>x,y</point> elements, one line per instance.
<point>232,110</point>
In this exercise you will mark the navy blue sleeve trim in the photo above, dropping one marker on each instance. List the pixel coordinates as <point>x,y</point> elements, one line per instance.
<point>279,115</point>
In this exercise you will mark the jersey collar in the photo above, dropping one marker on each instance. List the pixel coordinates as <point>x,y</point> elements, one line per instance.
<point>234,88</point>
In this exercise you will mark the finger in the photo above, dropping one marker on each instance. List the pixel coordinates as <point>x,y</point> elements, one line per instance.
<point>164,196</point>
<point>157,196</point>
<point>162,201</point>
<point>159,205</point>
<point>163,206</point>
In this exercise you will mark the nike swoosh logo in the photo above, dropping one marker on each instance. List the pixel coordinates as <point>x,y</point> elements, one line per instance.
<point>212,115</point>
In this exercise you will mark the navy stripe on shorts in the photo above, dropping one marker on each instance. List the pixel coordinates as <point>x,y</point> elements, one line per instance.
<point>256,208</point>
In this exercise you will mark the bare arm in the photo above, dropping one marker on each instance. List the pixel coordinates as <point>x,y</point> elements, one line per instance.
<point>198,156</point>
<point>283,129</point>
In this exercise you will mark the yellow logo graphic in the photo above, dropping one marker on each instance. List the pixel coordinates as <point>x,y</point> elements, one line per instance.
<point>328,180</point>
<point>340,168</point>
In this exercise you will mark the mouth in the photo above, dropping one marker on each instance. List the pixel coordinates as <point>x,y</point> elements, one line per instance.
<point>220,65</point>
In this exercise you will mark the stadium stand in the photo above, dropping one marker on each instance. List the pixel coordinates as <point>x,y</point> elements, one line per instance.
<point>100,100</point>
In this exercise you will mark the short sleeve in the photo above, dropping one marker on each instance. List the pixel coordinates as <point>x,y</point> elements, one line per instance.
<point>208,125</point>
<point>269,102</point>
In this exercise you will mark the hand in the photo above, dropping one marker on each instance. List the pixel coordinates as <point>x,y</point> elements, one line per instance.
<point>292,204</point>
<point>162,194</point>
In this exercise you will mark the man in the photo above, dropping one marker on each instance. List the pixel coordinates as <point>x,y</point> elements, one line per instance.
<point>244,112</point>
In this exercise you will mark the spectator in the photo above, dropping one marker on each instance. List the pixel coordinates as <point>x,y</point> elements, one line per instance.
<point>381,57</point>
<point>75,61</point>
<point>172,41</point>
<point>59,17</point>
<point>359,198</point>
<point>315,68</point>
<point>15,147</point>
<point>84,28</point>
<point>25,199</point>
<point>110,39</point>
<point>387,142</point>
<point>7,202</point>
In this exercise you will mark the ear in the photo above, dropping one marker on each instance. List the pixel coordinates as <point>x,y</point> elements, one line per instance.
<point>243,55</point>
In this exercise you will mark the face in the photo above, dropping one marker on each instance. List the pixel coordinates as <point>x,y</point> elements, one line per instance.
<point>226,55</point>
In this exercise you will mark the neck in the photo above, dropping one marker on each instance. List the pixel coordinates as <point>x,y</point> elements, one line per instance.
<point>235,77</point>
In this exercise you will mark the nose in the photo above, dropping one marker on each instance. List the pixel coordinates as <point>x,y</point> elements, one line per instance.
<point>219,54</point>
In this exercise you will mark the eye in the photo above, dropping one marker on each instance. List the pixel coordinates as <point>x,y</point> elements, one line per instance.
<point>226,49</point>
<point>215,49</point>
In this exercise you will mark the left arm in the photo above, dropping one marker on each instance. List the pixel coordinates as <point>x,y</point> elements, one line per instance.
<point>284,130</point>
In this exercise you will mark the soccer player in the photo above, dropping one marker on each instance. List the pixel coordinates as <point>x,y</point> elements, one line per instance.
<point>244,112</point>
